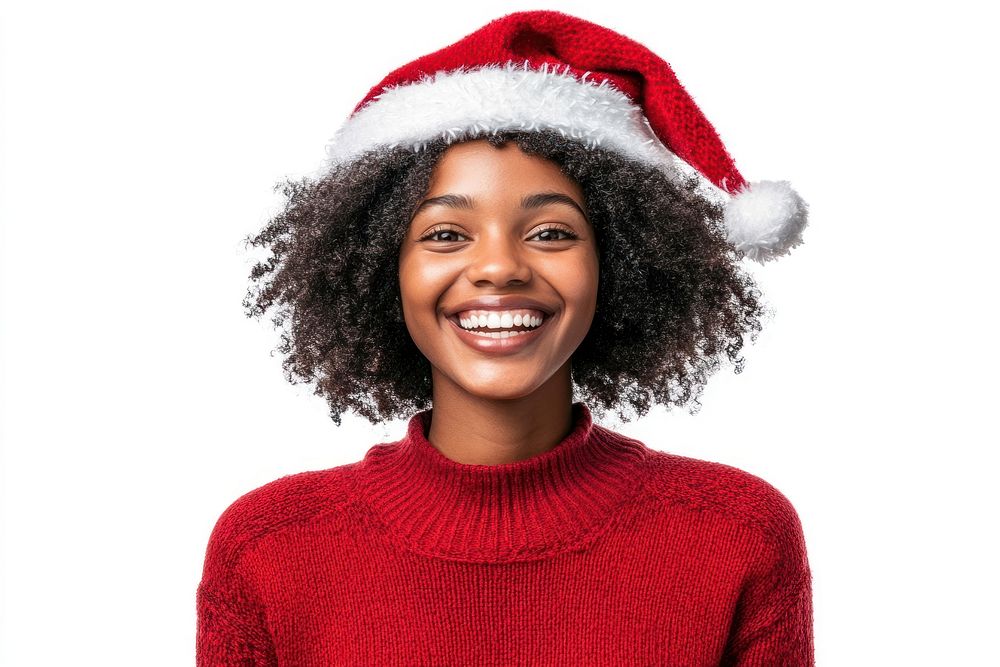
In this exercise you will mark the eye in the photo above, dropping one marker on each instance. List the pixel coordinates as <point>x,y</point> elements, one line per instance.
<point>560,230</point>
<point>441,230</point>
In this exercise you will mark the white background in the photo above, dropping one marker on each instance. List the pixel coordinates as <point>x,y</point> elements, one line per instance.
<point>140,144</point>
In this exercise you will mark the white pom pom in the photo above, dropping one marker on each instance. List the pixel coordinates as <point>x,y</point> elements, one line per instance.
<point>766,220</point>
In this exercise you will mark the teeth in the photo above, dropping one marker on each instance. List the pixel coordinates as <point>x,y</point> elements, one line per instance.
<point>501,319</point>
<point>499,334</point>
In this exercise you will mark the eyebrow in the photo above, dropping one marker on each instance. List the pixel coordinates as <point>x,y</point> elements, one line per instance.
<point>537,200</point>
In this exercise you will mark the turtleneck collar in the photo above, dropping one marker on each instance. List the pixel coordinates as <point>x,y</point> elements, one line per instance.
<point>555,501</point>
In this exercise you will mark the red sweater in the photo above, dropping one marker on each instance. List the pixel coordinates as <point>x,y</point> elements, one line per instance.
<point>600,551</point>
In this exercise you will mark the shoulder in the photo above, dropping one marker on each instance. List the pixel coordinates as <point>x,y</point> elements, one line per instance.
<point>288,501</point>
<point>760,519</point>
<point>726,492</point>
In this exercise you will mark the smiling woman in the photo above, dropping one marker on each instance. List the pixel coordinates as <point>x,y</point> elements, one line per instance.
<point>522,248</point>
<point>491,267</point>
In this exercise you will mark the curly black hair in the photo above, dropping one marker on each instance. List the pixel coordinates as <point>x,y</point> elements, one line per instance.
<point>672,297</point>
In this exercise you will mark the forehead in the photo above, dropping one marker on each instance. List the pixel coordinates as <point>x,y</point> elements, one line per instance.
<point>478,167</point>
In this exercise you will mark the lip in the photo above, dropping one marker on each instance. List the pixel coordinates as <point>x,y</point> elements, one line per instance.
<point>501,346</point>
<point>499,302</point>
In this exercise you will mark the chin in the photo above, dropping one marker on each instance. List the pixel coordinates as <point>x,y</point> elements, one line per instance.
<point>499,393</point>
<point>501,389</point>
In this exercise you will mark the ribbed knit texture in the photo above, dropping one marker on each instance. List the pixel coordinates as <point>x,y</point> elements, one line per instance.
<point>600,551</point>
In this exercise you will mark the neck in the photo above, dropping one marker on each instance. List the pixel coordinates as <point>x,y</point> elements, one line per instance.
<point>476,431</point>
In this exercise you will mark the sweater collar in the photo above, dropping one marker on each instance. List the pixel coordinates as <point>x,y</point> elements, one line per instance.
<point>559,500</point>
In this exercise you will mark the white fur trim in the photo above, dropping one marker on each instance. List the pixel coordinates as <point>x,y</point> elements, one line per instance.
<point>467,103</point>
<point>766,220</point>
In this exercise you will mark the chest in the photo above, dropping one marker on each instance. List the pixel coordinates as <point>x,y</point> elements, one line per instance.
<point>638,597</point>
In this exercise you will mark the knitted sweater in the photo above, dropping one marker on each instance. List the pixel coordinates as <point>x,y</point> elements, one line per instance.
<point>600,551</point>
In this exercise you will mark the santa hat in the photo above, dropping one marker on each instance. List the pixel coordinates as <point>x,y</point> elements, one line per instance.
<point>536,70</point>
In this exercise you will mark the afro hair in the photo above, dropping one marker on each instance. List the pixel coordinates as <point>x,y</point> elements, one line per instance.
<point>672,297</point>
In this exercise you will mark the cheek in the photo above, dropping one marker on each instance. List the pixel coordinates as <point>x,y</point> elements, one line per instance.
<point>422,282</point>
<point>577,281</point>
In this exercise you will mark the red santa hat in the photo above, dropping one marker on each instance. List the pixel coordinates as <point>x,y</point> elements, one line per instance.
<point>536,70</point>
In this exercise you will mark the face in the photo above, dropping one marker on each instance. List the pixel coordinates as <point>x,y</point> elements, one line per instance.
<point>483,233</point>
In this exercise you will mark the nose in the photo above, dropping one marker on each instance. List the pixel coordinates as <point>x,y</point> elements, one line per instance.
<point>498,258</point>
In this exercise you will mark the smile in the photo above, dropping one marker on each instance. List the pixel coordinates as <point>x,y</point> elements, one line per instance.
<point>496,342</point>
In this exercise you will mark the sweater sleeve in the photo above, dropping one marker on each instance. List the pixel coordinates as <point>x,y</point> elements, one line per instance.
<point>231,629</point>
<point>232,625</point>
<point>773,624</point>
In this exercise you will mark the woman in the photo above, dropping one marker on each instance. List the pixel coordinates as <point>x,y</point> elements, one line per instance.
<point>485,242</point>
